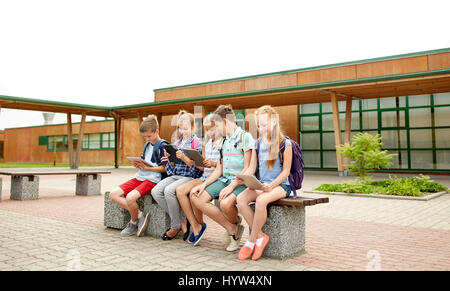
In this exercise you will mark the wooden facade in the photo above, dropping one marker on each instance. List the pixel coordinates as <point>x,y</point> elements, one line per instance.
<point>22,144</point>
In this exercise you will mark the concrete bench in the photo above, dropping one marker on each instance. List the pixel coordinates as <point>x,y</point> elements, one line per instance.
<point>285,222</point>
<point>25,184</point>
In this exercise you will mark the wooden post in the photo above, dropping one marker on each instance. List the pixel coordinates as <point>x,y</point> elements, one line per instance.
<point>159,116</point>
<point>140,118</point>
<point>199,113</point>
<point>348,126</point>
<point>118,128</point>
<point>80,140</point>
<point>337,131</point>
<point>70,139</point>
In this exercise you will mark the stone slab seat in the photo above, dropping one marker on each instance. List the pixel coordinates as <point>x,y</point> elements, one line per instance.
<point>285,222</point>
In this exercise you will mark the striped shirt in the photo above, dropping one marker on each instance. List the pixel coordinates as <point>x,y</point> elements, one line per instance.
<point>211,153</point>
<point>181,168</point>
<point>233,150</point>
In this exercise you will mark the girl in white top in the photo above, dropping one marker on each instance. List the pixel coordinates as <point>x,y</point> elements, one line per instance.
<point>211,155</point>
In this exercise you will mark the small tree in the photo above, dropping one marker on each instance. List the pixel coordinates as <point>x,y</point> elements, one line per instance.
<point>365,155</point>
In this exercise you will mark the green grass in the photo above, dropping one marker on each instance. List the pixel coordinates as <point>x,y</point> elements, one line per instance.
<point>409,186</point>
<point>38,165</point>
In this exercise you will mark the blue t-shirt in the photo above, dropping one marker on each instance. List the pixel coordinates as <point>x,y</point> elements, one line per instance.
<point>265,174</point>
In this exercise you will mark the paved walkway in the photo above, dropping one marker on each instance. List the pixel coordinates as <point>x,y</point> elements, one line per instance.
<point>62,231</point>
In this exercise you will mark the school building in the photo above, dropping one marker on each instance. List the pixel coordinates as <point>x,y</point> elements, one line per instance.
<point>405,98</point>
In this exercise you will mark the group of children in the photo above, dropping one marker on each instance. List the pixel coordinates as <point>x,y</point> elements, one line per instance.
<point>229,151</point>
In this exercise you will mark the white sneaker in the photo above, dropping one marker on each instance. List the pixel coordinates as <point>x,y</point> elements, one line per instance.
<point>226,237</point>
<point>235,243</point>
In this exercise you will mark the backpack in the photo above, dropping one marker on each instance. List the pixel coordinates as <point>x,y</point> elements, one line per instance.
<point>296,173</point>
<point>194,143</point>
<point>156,153</point>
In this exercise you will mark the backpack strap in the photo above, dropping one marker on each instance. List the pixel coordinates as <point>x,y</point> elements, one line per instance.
<point>145,149</point>
<point>156,152</point>
<point>194,143</point>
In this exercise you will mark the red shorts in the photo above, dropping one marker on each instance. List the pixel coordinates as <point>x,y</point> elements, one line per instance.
<point>143,187</point>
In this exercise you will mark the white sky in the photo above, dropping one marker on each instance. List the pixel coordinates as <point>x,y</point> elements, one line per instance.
<point>116,52</point>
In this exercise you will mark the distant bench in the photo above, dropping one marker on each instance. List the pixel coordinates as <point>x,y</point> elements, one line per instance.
<point>285,222</point>
<point>25,184</point>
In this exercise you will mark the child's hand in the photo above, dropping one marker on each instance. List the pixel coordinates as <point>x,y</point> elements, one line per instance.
<point>239,181</point>
<point>164,159</point>
<point>197,190</point>
<point>207,163</point>
<point>267,187</point>
<point>138,164</point>
<point>225,192</point>
<point>180,155</point>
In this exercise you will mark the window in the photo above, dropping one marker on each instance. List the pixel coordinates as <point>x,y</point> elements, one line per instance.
<point>93,141</point>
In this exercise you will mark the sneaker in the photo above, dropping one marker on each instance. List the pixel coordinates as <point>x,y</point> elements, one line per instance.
<point>129,230</point>
<point>142,224</point>
<point>259,249</point>
<point>198,237</point>
<point>236,239</point>
<point>226,237</point>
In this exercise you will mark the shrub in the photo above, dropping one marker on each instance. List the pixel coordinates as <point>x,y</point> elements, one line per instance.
<point>365,155</point>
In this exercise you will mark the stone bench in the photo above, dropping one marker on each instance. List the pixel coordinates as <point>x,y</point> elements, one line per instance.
<point>25,184</point>
<point>285,222</point>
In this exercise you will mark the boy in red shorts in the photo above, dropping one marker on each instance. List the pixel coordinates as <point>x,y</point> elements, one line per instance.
<point>146,178</point>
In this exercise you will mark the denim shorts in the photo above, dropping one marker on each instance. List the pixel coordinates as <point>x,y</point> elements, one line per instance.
<point>286,188</point>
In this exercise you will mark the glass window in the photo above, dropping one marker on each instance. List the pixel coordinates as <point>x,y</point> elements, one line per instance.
<point>419,100</point>
<point>310,123</point>
<point>388,102</point>
<point>393,118</point>
<point>443,160</point>
<point>105,140</point>
<point>370,120</point>
<point>1,148</point>
<point>421,138</point>
<point>393,139</point>
<point>422,159</point>
<point>309,108</point>
<point>310,141</point>
<point>327,121</point>
<point>442,98</point>
<point>442,116</point>
<point>442,137</point>
<point>420,117</point>
<point>368,104</point>
<point>94,141</point>
<point>56,142</point>
<point>329,159</point>
<point>112,140</point>
<point>86,141</point>
<point>328,141</point>
<point>311,159</point>
<point>400,161</point>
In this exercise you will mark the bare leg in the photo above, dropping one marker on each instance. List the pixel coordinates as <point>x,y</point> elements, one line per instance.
<point>118,196</point>
<point>133,207</point>
<point>261,210</point>
<point>202,202</point>
<point>229,209</point>
<point>243,200</point>
<point>185,203</point>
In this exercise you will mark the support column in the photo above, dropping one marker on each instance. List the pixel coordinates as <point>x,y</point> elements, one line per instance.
<point>348,128</point>
<point>70,139</point>
<point>140,118</point>
<point>80,140</point>
<point>117,130</point>
<point>337,132</point>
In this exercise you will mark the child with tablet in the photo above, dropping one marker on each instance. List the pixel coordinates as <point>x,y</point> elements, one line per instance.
<point>181,171</point>
<point>272,167</point>
<point>211,156</point>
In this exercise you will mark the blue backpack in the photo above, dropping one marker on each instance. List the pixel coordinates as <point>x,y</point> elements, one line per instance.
<point>156,156</point>
<point>296,174</point>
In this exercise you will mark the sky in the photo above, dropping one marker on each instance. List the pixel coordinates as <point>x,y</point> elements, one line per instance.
<point>114,53</point>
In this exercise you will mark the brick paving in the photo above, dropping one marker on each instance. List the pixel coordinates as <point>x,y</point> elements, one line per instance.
<point>62,231</point>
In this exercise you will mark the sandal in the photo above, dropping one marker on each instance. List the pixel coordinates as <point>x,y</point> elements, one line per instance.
<point>166,237</point>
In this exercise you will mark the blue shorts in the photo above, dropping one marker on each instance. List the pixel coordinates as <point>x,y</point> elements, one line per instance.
<point>286,188</point>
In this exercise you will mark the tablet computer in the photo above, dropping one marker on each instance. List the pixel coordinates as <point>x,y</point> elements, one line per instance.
<point>250,181</point>
<point>139,159</point>
<point>172,151</point>
<point>195,156</point>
